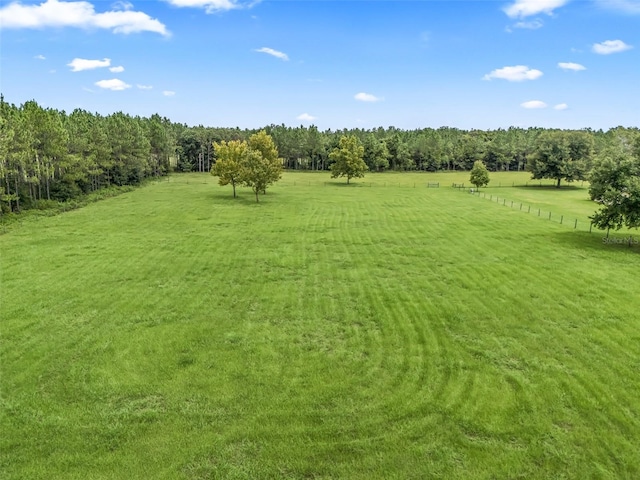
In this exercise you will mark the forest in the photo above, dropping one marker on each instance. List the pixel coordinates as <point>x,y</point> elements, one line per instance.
<point>50,155</point>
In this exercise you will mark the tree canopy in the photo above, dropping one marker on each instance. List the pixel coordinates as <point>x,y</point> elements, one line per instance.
<point>254,163</point>
<point>348,159</point>
<point>230,163</point>
<point>561,155</point>
<point>615,185</point>
<point>479,174</point>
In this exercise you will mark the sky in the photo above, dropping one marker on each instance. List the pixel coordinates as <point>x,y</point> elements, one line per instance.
<point>334,64</point>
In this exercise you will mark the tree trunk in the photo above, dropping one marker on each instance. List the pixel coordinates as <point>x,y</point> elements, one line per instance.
<point>256,190</point>
<point>558,184</point>
<point>17,194</point>
<point>6,180</point>
<point>233,184</point>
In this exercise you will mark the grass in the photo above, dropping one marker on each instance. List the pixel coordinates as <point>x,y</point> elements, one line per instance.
<point>327,332</point>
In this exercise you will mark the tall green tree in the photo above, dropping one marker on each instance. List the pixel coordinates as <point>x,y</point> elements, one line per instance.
<point>376,155</point>
<point>230,157</point>
<point>261,165</point>
<point>479,174</point>
<point>348,159</point>
<point>615,185</point>
<point>560,155</point>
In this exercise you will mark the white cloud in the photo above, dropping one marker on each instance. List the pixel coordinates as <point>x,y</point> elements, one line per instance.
<point>113,84</point>
<point>527,8</point>
<point>561,106</point>
<point>517,73</point>
<point>80,64</point>
<point>40,57</point>
<point>305,117</point>
<point>610,46</point>
<point>532,25</point>
<point>274,53</point>
<point>122,5</point>
<point>576,67</point>
<point>210,6</point>
<point>144,87</point>
<point>79,14</point>
<point>366,97</point>
<point>533,104</point>
<point>117,69</point>
<point>168,93</point>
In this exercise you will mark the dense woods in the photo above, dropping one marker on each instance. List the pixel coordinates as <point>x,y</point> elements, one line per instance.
<point>51,155</point>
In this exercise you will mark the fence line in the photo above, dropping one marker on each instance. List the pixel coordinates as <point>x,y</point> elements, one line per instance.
<point>559,218</point>
<point>361,183</point>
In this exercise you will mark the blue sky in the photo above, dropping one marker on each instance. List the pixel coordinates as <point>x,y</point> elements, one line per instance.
<point>335,64</point>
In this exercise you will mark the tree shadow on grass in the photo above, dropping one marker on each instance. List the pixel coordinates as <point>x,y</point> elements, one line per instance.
<point>243,197</point>
<point>345,184</point>
<point>618,244</point>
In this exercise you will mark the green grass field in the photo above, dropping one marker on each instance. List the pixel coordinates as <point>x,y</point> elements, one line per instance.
<point>377,330</point>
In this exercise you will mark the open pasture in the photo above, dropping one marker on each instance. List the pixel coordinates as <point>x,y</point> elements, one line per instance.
<point>329,331</point>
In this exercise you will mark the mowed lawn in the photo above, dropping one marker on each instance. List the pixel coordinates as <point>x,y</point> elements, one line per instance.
<point>367,331</point>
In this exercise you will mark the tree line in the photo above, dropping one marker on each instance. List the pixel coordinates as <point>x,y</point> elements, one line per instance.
<point>50,155</point>
<point>47,155</point>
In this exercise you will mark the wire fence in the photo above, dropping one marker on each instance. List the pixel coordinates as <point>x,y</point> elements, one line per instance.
<point>362,183</point>
<point>562,219</point>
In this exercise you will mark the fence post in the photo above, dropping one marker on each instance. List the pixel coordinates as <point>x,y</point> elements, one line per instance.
<point>529,211</point>
<point>491,197</point>
<point>575,225</point>
<point>504,201</point>
<point>538,212</point>
<point>520,206</point>
<point>561,217</point>
<point>511,203</point>
<point>549,215</point>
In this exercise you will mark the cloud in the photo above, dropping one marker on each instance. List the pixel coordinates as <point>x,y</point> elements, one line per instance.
<point>561,106</point>
<point>144,87</point>
<point>210,6</point>
<point>610,46</point>
<point>80,14</point>
<point>113,84</point>
<point>272,52</point>
<point>366,97</point>
<point>80,64</point>
<point>305,117</point>
<point>517,73</point>
<point>117,69</point>
<point>532,25</point>
<point>527,8</point>
<point>40,57</point>
<point>122,5</point>
<point>576,67</point>
<point>168,93</point>
<point>533,104</point>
